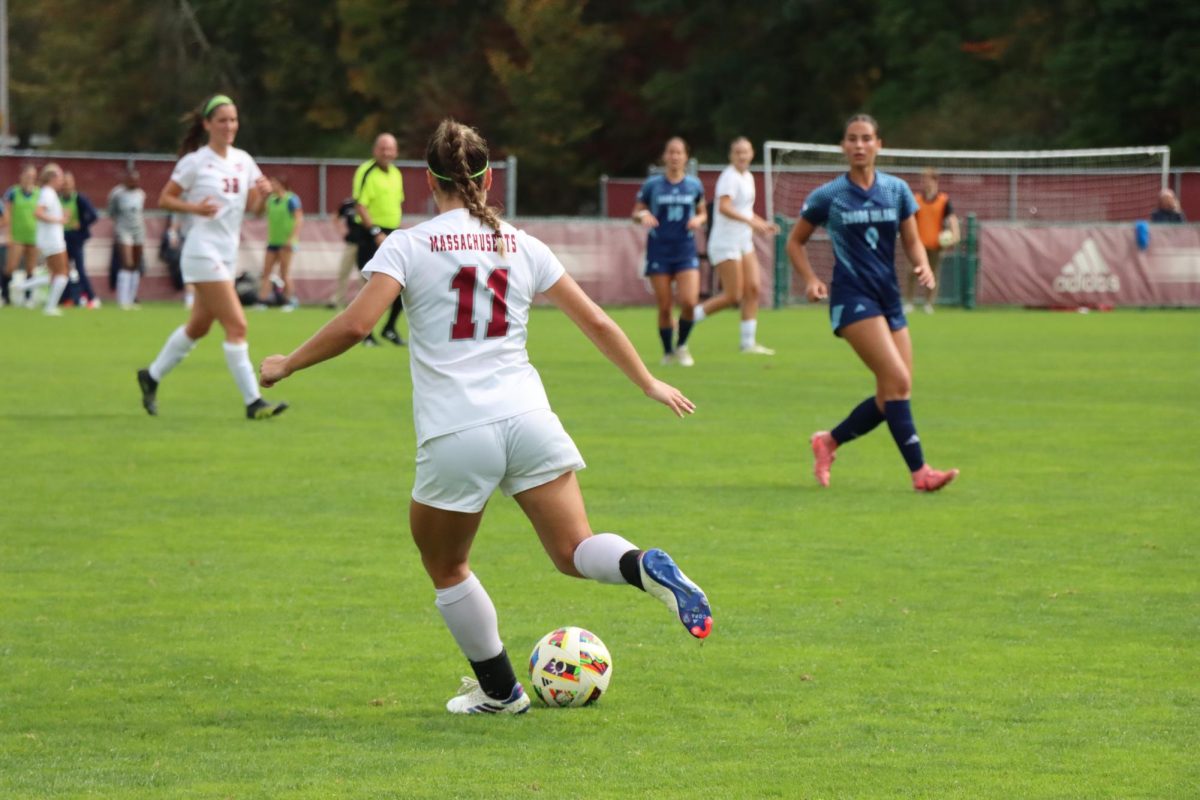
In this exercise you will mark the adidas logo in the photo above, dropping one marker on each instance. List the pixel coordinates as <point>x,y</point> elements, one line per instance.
<point>859,307</point>
<point>914,439</point>
<point>1086,272</point>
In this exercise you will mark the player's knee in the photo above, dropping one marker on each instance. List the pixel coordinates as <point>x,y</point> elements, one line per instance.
<point>563,556</point>
<point>895,385</point>
<point>197,330</point>
<point>235,330</point>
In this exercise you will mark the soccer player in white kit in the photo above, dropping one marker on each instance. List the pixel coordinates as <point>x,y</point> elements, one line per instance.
<point>51,241</point>
<point>212,185</point>
<point>731,245</point>
<point>481,414</point>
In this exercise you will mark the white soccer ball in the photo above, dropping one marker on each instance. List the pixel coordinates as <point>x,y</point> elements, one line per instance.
<point>946,238</point>
<point>570,667</point>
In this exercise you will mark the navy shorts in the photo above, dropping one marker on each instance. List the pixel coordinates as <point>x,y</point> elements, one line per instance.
<point>849,305</point>
<point>656,265</point>
<point>275,248</point>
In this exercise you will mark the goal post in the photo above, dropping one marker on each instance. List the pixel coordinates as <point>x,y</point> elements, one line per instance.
<point>1028,187</point>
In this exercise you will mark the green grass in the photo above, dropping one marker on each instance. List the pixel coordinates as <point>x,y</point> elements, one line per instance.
<point>196,606</point>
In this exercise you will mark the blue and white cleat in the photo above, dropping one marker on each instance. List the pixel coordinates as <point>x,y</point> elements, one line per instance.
<point>662,579</point>
<point>472,700</point>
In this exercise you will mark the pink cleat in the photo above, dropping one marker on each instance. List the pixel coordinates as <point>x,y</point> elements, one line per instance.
<point>928,479</point>
<point>823,447</point>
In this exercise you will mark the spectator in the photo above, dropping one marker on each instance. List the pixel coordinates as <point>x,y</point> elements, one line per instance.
<point>126,204</point>
<point>1168,208</point>
<point>79,214</point>
<point>352,233</point>
<point>20,201</point>
<point>938,227</point>
<point>285,217</point>
<point>379,193</point>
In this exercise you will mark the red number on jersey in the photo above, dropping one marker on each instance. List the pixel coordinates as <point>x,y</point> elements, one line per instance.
<point>231,185</point>
<point>464,283</point>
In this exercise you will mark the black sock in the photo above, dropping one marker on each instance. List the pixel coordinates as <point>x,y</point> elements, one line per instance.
<point>665,334</point>
<point>904,432</point>
<point>685,328</point>
<point>397,309</point>
<point>4,285</point>
<point>631,570</point>
<point>865,417</point>
<point>495,676</point>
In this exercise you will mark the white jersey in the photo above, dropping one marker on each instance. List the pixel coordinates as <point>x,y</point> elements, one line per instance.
<point>126,207</point>
<point>50,239</point>
<point>226,182</point>
<point>739,187</point>
<point>468,312</point>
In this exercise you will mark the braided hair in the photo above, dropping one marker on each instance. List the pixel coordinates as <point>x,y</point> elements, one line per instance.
<point>457,157</point>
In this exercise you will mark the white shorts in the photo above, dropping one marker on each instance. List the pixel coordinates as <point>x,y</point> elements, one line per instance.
<point>51,245</point>
<point>459,471</point>
<point>128,238</point>
<point>203,269</point>
<point>729,249</point>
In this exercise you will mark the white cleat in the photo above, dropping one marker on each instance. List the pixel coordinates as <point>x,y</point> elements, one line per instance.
<point>669,360</point>
<point>684,356</point>
<point>52,312</point>
<point>472,700</point>
<point>758,350</point>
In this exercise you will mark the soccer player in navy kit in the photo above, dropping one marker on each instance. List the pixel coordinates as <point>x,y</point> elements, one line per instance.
<point>671,205</point>
<point>863,210</point>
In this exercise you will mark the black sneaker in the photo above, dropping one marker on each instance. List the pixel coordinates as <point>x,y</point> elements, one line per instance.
<point>370,341</point>
<point>261,409</point>
<point>394,337</point>
<point>149,388</point>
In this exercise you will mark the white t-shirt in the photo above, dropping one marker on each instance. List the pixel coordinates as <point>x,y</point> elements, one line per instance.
<point>50,239</point>
<point>127,209</point>
<point>739,187</point>
<point>468,312</point>
<point>225,181</point>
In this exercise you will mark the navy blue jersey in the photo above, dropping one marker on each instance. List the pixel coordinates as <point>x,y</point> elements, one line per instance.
<point>863,225</point>
<point>672,204</point>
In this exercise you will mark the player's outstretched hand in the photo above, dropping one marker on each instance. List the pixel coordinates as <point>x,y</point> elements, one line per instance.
<point>925,276</point>
<point>816,290</point>
<point>272,370</point>
<point>670,397</point>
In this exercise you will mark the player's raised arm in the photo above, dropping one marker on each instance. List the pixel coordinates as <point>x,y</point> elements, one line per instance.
<point>613,343</point>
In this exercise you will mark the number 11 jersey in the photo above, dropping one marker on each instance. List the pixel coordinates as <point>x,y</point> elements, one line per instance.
<point>468,316</point>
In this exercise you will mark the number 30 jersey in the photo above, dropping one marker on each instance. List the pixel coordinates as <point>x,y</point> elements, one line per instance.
<point>468,316</point>
<point>226,182</point>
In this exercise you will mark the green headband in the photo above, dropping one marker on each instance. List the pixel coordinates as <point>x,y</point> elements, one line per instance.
<point>472,177</point>
<point>218,100</point>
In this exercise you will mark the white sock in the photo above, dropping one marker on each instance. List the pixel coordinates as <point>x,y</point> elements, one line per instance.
<point>34,281</point>
<point>176,348</point>
<point>471,618</point>
<point>135,280</point>
<point>237,356</point>
<point>57,286</point>
<point>698,314</point>
<point>749,329</point>
<point>599,557</point>
<point>123,287</point>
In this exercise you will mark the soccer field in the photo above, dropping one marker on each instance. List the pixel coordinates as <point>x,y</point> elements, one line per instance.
<point>196,606</point>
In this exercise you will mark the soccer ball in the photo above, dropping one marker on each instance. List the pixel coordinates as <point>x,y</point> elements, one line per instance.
<point>570,667</point>
<point>946,238</point>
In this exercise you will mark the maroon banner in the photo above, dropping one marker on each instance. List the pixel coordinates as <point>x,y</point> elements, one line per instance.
<point>1091,265</point>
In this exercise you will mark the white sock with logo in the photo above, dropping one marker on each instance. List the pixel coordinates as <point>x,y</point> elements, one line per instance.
<point>599,557</point>
<point>237,356</point>
<point>471,617</point>
<point>57,286</point>
<point>749,330</point>
<point>176,348</point>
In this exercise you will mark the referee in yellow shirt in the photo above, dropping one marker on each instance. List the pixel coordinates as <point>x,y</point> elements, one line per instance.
<point>378,195</point>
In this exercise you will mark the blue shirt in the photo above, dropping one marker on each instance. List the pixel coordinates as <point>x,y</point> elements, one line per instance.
<point>863,225</point>
<point>672,204</point>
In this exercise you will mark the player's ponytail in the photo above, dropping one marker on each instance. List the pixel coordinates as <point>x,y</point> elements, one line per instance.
<point>457,156</point>
<point>193,121</point>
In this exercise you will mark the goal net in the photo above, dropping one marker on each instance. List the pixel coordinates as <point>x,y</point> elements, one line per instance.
<point>1012,187</point>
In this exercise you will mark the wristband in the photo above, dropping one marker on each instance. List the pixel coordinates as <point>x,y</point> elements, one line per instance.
<point>376,230</point>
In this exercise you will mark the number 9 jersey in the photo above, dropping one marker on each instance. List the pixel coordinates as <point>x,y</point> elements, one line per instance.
<point>468,315</point>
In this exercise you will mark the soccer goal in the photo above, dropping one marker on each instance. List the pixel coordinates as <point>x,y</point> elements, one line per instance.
<point>1009,187</point>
